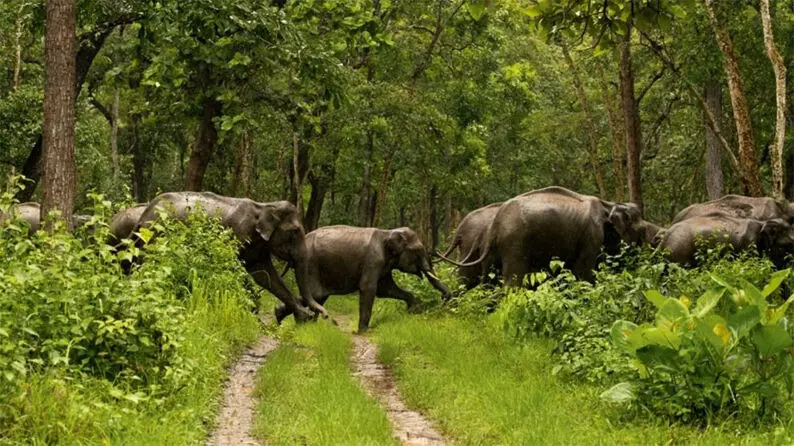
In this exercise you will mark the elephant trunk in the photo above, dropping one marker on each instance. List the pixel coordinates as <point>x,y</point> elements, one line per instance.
<point>434,280</point>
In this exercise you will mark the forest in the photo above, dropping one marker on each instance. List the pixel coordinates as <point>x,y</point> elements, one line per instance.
<point>587,205</point>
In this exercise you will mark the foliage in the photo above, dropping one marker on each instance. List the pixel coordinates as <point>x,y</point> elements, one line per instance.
<point>115,348</point>
<point>728,352</point>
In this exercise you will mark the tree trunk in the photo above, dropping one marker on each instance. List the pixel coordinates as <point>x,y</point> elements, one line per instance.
<point>435,223</point>
<point>748,164</point>
<point>243,166</point>
<point>616,130</point>
<point>384,183</point>
<point>17,49</point>
<point>85,57</point>
<point>60,46</point>
<point>296,179</point>
<point>315,207</point>
<point>205,144</point>
<point>365,194</point>
<point>591,131</point>
<point>712,94</point>
<point>114,137</point>
<point>631,119</point>
<point>779,67</point>
<point>790,178</point>
<point>139,162</point>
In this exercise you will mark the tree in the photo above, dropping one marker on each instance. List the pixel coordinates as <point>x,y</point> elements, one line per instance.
<point>779,67</point>
<point>60,48</point>
<point>748,163</point>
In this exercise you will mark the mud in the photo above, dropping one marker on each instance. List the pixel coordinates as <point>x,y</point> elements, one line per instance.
<point>236,417</point>
<point>409,426</point>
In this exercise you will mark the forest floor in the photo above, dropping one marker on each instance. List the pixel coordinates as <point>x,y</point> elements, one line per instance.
<point>439,379</point>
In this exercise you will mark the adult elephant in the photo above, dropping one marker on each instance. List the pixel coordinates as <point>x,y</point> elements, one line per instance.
<point>30,213</point>
<point>123,222</point>
<point>345,259</point>
<point>531,229</point>
<point>773,238</point>
<point>265,229</point>
<point>758,208</point>
<point>468,240</point>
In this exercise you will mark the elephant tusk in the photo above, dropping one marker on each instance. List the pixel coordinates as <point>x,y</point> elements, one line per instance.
<point>432,276</point>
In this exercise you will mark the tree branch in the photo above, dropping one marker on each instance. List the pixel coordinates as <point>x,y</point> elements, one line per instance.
<point>653,80</point>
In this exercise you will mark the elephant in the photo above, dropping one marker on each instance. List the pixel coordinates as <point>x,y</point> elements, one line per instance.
<point>265,229</point>
<point>532,229</point>
<point>773,238</point>
<point>468,239</point>
<point>123,222</point>
<point>345,259</point>
<point>759,208</point>
<point>30,212</point>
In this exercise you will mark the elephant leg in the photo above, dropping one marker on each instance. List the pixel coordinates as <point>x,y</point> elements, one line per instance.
<point>266,276</point>
<point>368,288</point>
<point>388,288</point>
<point>584,265</point>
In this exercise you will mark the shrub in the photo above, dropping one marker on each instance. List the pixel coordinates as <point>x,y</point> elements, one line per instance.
<point>730,353</point>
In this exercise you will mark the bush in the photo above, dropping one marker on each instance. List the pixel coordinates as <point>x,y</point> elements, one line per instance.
<point>135,344</point>
<point>731,353</point>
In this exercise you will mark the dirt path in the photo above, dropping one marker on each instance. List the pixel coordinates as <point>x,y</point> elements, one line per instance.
<point>409,426</point>
<point>237,411</point>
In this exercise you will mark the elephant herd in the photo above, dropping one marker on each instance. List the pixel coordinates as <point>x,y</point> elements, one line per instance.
<point>523,234</point>
<point>507,240</point>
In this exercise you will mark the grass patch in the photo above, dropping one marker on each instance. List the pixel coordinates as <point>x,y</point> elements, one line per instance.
<point>309,396</point>
<point>483,388</point>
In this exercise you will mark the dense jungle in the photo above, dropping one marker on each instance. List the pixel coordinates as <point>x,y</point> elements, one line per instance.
<point>366,222</point>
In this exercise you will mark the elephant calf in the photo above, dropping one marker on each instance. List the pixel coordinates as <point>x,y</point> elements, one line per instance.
<point>468,239</point>
<point>123,223</point>
<point>773,238</point>
<point>345,259</point>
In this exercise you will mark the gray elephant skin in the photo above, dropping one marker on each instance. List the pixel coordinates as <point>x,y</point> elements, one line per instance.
<point>124,221</point>
<point>532,229</point>
<point>468,240</point>
<point>773,238</point>
<point>30,213</point>
<point>265,229</point>
<point>346,259</point>
<point>758,208</point>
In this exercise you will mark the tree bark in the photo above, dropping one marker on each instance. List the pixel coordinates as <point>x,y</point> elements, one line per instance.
<point>712,94</point>
<point>748,164</point>
<point>631,119</point>
<point>114,136</point>
<point>616,130</point>
<point>17,49</point>
<point>60,47</point>
<point>384,183</point>
<point>296,179</point>
<point>365,193</point>
<point>205,144</point>
<point>778,180</point>
<point>243,166</point>
<point>314,209</point>
<point>591,132</point>
<point>89,48</point>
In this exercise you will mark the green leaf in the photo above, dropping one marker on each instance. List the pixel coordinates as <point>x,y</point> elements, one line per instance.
<point>661,336</point>
<point>775,281</point>
<point>621,333</point>
<point>655,297</point>
<point>476,8</point>
<point>707,330</point>
<point>774,315</point>
<point>619,393</point>
<point>708,301</point>
<point>744,320</point>
<point>771,339</point>
<point>672,311</point>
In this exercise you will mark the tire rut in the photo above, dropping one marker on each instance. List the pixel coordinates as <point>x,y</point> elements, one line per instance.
<point>409,426</point>
<point>236,417</point>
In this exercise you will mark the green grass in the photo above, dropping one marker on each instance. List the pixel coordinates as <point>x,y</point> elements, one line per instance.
<point>309,396</point>
<point>58,411</point>
<point>485,389</point>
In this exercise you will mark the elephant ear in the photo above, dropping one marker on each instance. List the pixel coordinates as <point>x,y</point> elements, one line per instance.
<point>395,243</point>
<point>771,232</point>
<point>265,221</point>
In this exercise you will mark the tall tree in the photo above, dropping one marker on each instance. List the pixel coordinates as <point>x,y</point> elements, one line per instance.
<point>631,120</point>
<point>712,94</point>
<point>591,131</point>
<point>748,163</point>
<point>780,96</point>
<point>60,48</point>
